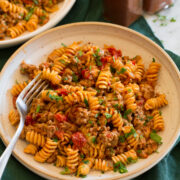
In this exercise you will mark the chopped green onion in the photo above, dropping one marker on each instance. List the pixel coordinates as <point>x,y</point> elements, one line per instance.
<point>155,137</point>
<point>86,102</point>
<point>74,77</point>
<point>126,113</point>
<point>62,61</point>
<point>36,2</point>
<point>153,60</point>
<point>38,108</point>
<point>121,139</point>
<point>86,161</point>
<point>93,140</point>
<point>108,115</point>
<point>63,44</point>
<point>30,13</point>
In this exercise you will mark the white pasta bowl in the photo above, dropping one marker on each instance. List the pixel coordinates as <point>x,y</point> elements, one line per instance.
<point>131,43</point>
<point>64,7</point>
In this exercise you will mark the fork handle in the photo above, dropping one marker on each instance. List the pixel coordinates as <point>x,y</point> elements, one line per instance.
<point>7,153</point>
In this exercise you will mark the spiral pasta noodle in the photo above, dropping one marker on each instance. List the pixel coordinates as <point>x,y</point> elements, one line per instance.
<point>152,73</point>
<point>124,157</point>
<point>158,120</point>
<point>14,117</point>
<point>72,159</point>
<point>116,119</point>
<point>52,76</point>
<point>155,103</point>
<point>10,7</point>
<point>31,25</point>
<point>61,161</point>
<point>17,29</point>
<point>103,80</point>
<point>129,98</point>
<point>101,165</point>
<point>46,151</point>
<point>30,149</point>
<point>17,88</point>
<point>35,138</point>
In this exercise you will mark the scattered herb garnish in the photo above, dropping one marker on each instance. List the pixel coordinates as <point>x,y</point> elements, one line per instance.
<point>160,113</point>
<point>153,60</point>
<point>97,115</point>
<point>163,20</point>
<point>113,70</point>
<point>108,115</point>
<point>66,171</point>
<point>154,136</point>
<point>119,166</point>
<point>122,71</point>
<point>38,108</point>
<point>132,132</point>
<point>65,78</point>
<point>74,77</point>
<point>90,122</point>
<point>62,61</point>
<point>129,90</point>
<point>86,102</point>
<point>30,13</point>
<point>98,58</point>
<point>82,176</point>
<point>126,113</point>
<point>131,160</point>
<point>101,101</point>
<point>121,139</point>
<point>55,139</point>
<point>172,19</point>
<point>113,59</point>
<point>77,59</point>
<point>116,106</point>
<point>86,161</point>
<point>56,98</point>
<point>80,53</point>
<point>62,44</point>
<point>36,2</point>
<point>93,140</point>
<point>90,67</point>
<point>139,151</point>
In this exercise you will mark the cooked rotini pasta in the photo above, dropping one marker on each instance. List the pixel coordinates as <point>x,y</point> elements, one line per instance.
<point>31,149</point>
<point>16,17</point>
<point>100,110</point>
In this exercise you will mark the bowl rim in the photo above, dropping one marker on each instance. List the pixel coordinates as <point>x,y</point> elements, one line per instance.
<point>138,171</point>
<point>52,22</point>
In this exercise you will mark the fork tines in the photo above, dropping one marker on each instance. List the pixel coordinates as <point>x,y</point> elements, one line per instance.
<point>33,89</point>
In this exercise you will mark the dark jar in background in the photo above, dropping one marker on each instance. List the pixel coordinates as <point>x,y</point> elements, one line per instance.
<point>123,12</point>
<point>153,6</point>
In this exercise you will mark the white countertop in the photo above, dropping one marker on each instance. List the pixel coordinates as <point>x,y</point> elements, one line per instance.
<point>168,32</point>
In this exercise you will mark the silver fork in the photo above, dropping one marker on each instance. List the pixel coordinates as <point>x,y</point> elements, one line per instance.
<point>23,102</point>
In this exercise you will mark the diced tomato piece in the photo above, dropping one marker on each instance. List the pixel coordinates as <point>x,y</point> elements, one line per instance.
<point>28,1</point>
<point>85,73</point>
<point>133,62</point>
<point>29,120</point>
<point>60,117</point>
<point>104,60</point>
<point>140,102</point>
<point>59,134</point>
<point>38,115</point>
<point>62,92</point>
<point>108,135</point>
<point>78,140</point>
<point>114,52</point>
<point>14,101</point>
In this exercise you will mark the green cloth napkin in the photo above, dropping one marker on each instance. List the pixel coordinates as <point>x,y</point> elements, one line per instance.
<point>92,10</point>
